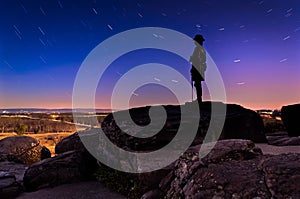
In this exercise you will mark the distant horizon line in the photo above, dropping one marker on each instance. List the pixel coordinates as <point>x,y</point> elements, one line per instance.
<point>53,110</point>
<point>96,109</point>
<point>255,108</point>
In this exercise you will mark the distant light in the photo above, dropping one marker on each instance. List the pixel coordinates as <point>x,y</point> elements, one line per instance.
<point>40,29</point>
<point>42,42</point>
<point>283,60</point>
<point>221,29</point>
<point>158,36</point>
<point>287,37</point>
<point>60,4</point>
<point>236,61</point>
<point>42,10</point>
<point>140,15</point>
<point>110,27</point>
<point>240,83</point>
<point>17,29</point>
<point>175,81</point>
<point>119,73</point>
<point>288,14</point>
<point>8,64</point>
<point>297,29</point>
<point>95,11</point>
<point>24,9</point>
<point>156,79</point>
<point>43,60</point>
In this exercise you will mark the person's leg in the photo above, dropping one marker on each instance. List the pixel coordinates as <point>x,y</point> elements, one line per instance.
<point>198,87</point>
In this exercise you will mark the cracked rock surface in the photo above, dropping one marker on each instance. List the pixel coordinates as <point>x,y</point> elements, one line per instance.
<point>233,169</point>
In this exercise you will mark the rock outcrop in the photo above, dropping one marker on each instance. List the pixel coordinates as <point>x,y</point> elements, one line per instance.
<point>240,123</point>
<point>291,120</point>
<point>243,123</point>
<point>11,179</point>
<point>233,169</point>
<point>283,139</point>
<point>22,149</point>
<point>69,143</point>
<point>225,172</point>
<point>73,163</point>
<point>282,175</point>
<point>68,167</point>
<point>74,141</point>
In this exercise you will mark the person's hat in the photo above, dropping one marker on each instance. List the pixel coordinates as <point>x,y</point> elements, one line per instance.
<point>199,38</point>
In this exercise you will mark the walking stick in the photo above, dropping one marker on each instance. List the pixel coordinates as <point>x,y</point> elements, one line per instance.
<point>192,90</point>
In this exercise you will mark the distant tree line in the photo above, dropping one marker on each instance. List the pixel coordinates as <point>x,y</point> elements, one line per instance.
<point>12,124</point>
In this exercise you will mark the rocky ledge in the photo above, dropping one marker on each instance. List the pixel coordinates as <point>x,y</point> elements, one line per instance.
<point>233,168</point>
<point>240,123</point>
<point>16,154</point>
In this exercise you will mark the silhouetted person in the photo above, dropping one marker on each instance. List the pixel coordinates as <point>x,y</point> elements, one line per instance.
<point>198,60</point>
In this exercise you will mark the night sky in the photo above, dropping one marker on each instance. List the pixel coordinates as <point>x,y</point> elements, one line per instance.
<point>255,44</point>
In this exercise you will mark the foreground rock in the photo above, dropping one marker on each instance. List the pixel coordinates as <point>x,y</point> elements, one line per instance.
<point>84,190</point>
<point>22,149</point>
<point>11,179</point>
<point>74,141</point>
<point>283,139</point>
<point>233,169</point>
<point>72,166</point>
<point>282,175</point>
<point>290,118</point>
<point>215,175</point>
<point>69,143</point>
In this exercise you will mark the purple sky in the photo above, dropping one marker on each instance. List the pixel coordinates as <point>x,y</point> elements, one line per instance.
<point>255,44</point>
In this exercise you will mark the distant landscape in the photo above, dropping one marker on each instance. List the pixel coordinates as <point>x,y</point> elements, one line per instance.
<point>48,126</point>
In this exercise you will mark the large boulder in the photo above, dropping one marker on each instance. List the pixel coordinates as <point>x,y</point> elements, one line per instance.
<point>291,120</point>
<point>283,139</point>
<point>22,149</point>
<point>69,143</point>
<point>74,141</point>
<point>225,172</point>
<point>282,175</point>
<point>155,183</point>
<point>233,169</point>
<point>68,167</point>
<point>11,178</point>
<point>9,188</point>
<point>240,123</point>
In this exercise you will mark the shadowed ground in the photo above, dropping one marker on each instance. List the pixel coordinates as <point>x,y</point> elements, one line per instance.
<point>86,190</point>
<point>97,190</point>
